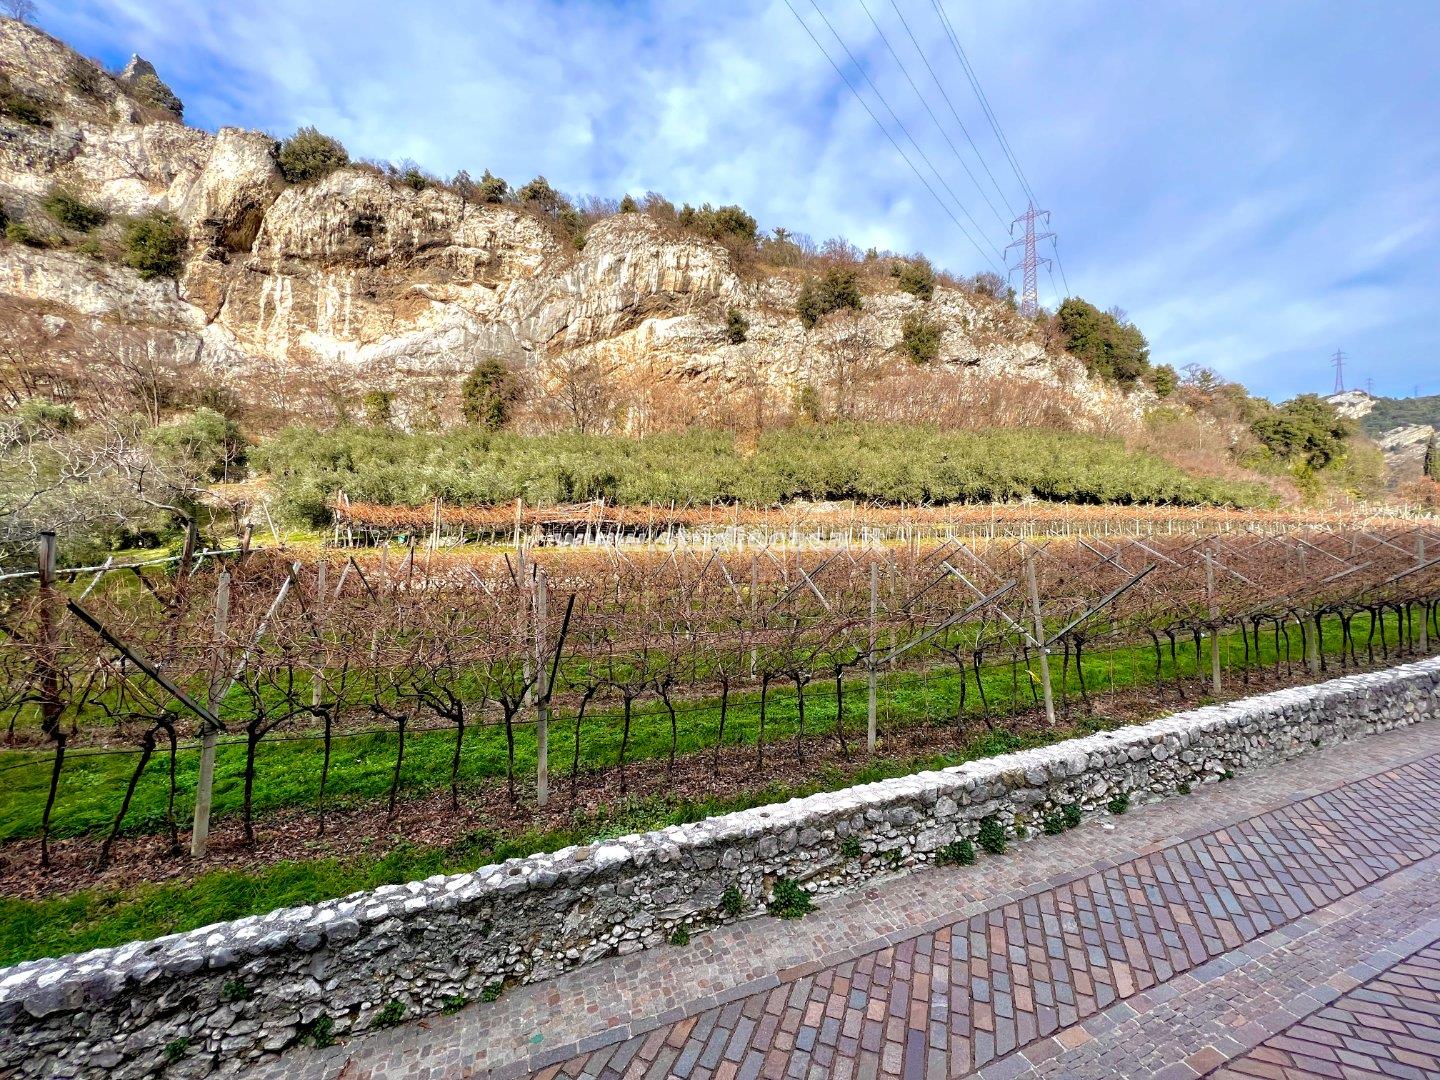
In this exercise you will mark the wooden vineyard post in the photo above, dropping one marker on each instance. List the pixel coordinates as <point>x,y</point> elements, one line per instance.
<point>542,698</point>
<point>754,602</point>
<point>209,735</point>
<point>1425,609</point>
<point>1214,609</point>
<point>870,662</point>
<point>1040,638</point>
<point>187,547</point>
<point>1309,648</point>
<point>317,682</point>
<point>51,707</point>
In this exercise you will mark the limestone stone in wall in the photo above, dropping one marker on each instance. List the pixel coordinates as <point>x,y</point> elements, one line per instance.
<point>221,997</point>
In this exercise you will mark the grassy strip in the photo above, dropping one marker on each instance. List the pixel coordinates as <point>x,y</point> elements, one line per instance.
<point>94,919</point>
<point>287,773</point>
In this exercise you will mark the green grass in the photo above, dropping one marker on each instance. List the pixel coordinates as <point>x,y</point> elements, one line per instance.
<point>96,918</point>
<point>287,773</point>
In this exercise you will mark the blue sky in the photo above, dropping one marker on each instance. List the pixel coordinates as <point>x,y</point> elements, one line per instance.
<point>1256,183</point>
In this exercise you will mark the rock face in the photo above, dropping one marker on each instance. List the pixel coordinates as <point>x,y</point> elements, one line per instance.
<point>233,994</point>
<point>305,295</point>
<point>1403,444</point>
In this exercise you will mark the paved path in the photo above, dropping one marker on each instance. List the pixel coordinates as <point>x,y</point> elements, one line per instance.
<point>1231,933</point>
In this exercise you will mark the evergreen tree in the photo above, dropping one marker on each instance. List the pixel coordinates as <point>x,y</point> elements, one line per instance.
<point>737,327</point>
<point>489,393</point>
<point>1109,347</point>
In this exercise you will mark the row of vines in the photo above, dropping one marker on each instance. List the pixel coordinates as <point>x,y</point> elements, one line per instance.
<point>248,648</point>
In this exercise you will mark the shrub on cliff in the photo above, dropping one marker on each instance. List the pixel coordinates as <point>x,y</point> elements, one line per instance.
<point>151,91</point>
<point>1164,380</point>
<point>378,407</point>
<point>1110,346</point>
<point>18,105</point>
<point>539,195</point>
<point>309,155</point>
<point>838,287</point>
<point>154,245</point>
<point>915,276</point>
<point>70,211</point>
<point>488,189</point>
<point>84,77</point>
<point>920,338</point>
<point>737,327</point>
<point>719,223</point>
<point>493,189</point>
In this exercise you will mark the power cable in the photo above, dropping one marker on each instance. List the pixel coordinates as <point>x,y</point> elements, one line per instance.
<point>886,131</point>
<point>1055,247</point>
<point>984,102</point>
<point>954,112</point>
<point>936,120</point>
<point>995,125</point>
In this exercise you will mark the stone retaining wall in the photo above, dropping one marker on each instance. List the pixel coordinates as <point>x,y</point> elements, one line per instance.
<point>222,996</point>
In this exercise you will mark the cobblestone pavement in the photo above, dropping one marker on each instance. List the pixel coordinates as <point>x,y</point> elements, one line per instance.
<point>1159,945</point>
<point>1387,1027</point>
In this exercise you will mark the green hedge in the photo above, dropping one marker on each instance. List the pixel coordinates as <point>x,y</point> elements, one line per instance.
<point>879,463</point>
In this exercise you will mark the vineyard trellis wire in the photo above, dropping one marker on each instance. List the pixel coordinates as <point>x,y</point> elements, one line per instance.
<point>729,525</point>
<point>245,649</point>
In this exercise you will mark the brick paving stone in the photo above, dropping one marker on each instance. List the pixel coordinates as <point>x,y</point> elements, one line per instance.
<point>1245,880</point>
<point>1098,953</point>
<point>1388,1026</point>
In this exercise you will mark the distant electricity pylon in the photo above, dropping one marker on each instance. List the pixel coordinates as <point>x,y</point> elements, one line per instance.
<point>1338,362</point>
<point>1029,264</point>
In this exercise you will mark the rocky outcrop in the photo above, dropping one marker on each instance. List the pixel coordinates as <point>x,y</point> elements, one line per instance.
<point>356,280</point>
<point>1402,444</point>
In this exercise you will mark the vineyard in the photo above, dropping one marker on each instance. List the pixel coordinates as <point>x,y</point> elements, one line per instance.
<point>494,704</point>
<point>597,523</point>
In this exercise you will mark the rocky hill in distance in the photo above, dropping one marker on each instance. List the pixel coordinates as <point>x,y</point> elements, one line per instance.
<point>298,298</point>
<point>1401,427</point>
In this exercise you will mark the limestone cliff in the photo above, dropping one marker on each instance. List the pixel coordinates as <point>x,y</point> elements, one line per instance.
<point>300,296</point>
<point>1403,443</point>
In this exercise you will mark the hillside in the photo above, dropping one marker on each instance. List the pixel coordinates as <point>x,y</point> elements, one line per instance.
<point>1401,427</point>
<point>298,298</point>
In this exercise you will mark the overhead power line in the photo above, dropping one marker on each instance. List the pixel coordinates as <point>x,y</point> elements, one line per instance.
<point>959,50</point>
<point>995,126</point>
<point>898,123</point>
<point>1055,247</point>
<point>935,119</point>
<point>953,111</point>
<point>903,128</point>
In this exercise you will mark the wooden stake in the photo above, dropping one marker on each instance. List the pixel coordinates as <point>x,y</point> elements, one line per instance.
<point>542,697</point>
<point>870,664</point>
<point>1214,623</point>
<point>209,735</point>
<point>1040,638</point>
<point>1425,610</point>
